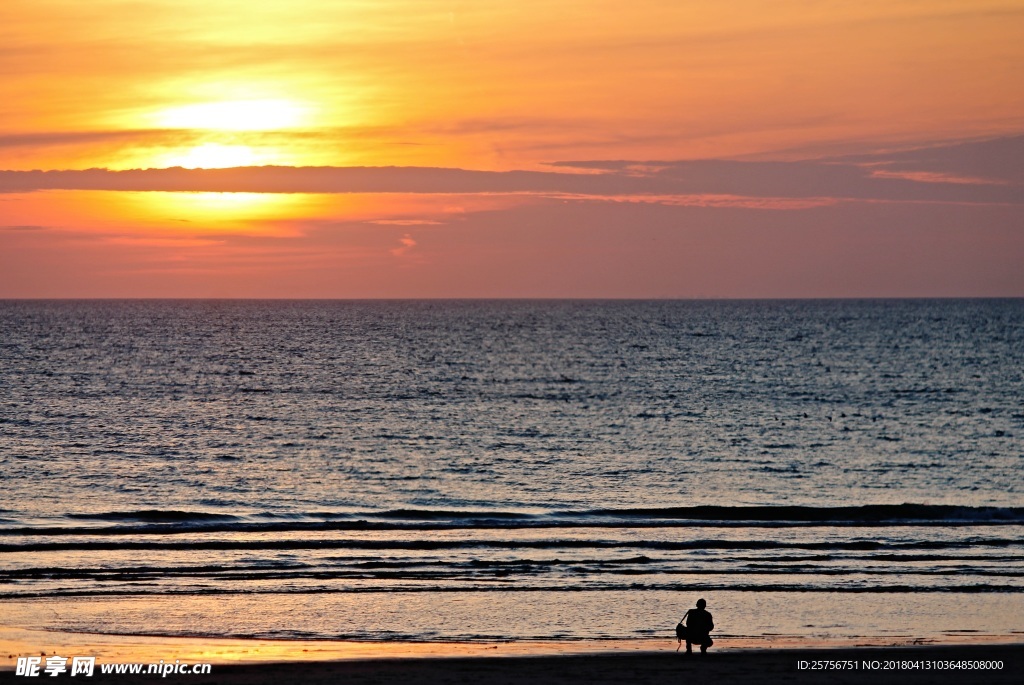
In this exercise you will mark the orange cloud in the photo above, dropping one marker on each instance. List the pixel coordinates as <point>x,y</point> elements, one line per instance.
<point>407,243</point>
<point>402,148</point>
<point>489,85</point>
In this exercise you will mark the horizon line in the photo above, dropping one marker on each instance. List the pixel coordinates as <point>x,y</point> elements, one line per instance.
<point>884,298</point>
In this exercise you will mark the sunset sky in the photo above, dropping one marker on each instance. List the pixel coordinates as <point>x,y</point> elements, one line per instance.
<point>488,148</point>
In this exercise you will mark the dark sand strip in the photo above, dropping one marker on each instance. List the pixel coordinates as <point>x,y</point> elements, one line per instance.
<point>741,666</point>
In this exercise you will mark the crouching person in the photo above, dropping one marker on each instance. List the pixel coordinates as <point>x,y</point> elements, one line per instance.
<point>694,628</point>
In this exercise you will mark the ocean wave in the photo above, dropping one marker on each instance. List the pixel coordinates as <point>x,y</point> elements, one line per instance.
<point>153,516</point>
<point>136,591</point>
<point>451,515</point>
<point>436,544</point>
<point>565,572</point>
<point>169,521</point>
<point>870,513</point>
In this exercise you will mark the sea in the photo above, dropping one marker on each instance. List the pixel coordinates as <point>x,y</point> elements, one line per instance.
<point>513,470</point>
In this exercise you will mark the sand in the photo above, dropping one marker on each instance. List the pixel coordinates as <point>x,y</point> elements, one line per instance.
<point>247,662</point>
<point>750,666</point>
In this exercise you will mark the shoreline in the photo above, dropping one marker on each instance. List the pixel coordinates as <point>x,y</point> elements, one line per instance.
<point>224,650</point>
<point>508,664</point>
<point>255,654</point>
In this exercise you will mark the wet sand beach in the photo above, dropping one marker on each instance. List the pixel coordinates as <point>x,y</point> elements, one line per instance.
<point>754,667</point>
<point>738,666</point>
<point>250,662</point>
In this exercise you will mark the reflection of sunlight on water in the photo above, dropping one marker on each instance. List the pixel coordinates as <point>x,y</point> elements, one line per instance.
<point>741,618</point>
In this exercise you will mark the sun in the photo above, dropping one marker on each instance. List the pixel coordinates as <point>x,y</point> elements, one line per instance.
<point>228,133</point>
<point>214,156</point>
<point>234,115</point>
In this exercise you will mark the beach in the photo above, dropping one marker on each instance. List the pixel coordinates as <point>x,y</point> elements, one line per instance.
<point>238,662</point>
<point>749,668</point>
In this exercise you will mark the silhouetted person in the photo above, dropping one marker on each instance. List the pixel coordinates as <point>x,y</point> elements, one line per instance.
<point>698,625</point>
